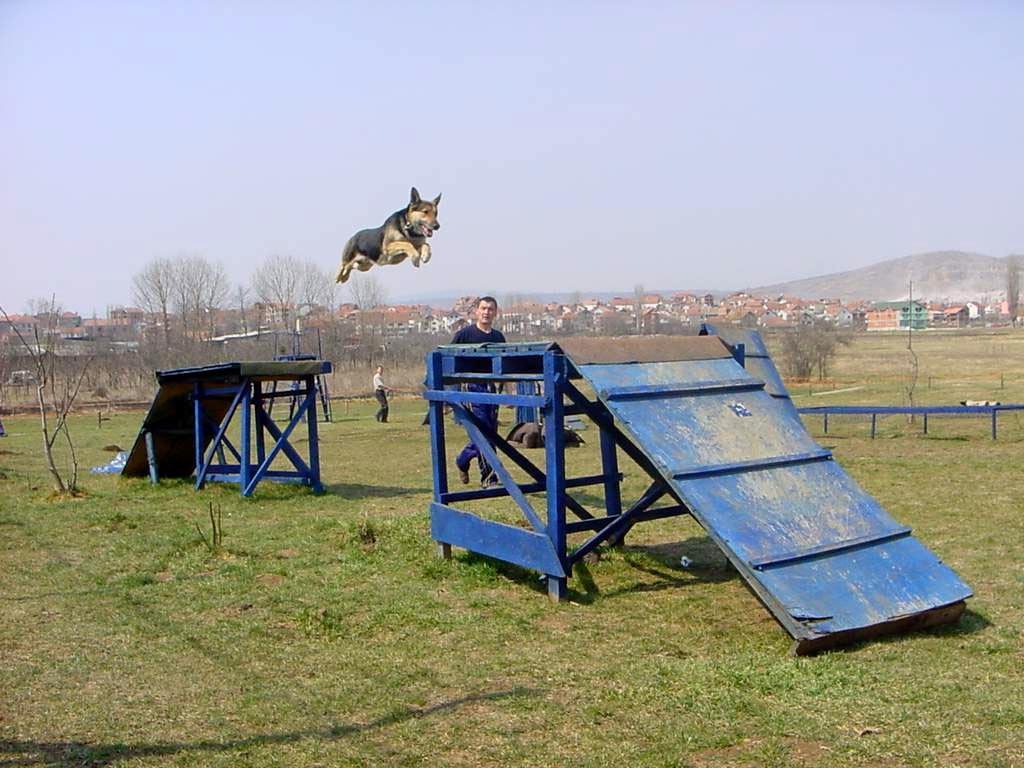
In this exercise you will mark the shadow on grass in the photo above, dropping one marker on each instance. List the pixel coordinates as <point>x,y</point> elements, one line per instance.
<point>661,561</point>
<point>76,753</point>
<point>657,560</point>
<point>361,491</point>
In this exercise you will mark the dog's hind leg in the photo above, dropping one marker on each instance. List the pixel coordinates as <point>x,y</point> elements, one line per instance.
<point>348,253</point>
<point>343,272</point>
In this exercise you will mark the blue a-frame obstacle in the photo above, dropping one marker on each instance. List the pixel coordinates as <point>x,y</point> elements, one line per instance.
<point>717,443</point>
<point>187,427</point>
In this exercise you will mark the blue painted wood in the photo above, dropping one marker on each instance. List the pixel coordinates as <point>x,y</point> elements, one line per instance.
<point>681,388</point>
<point>261,436</point>
<point>775,505</point>
<point>483,398</point>
<point>919,410</point>
<point>487,537</point>
<point>246,437</point>
<point>200,438</point>
<point>281,444</point>
<point>617,526</point>
<point>554,454</point>
<point>785,558</point>
<point>610,465</point>
<point>435,382</point>
<point>235,477</point>
<point>472,425</point>
<point>756,361</point>
<point>535,487</point>
<point>599,523</point>
<point>313,431</point>
<point>499,442</point>
<point>730,450</point>
<point>235,470</point>
<point>890,410</point>
<point>525,413</point>
<point>687,473</point>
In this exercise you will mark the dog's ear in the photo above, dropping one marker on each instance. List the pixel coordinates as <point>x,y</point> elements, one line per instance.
<point>414,197</point>
<point>437,201</point>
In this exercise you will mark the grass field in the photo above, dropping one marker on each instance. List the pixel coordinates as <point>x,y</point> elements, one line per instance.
<point>327,633</point>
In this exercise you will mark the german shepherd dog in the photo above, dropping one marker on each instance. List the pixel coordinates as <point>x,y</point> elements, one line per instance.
<point>403,234</point>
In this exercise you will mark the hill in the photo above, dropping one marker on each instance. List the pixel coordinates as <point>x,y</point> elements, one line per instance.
<point>938,276</point>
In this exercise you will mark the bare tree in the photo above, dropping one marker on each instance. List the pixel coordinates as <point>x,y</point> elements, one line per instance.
<point>200,287</point>
<point>811,347</point>
<point>276,284</point>
<point>638,307</point>
<point>316,287</point>
<point>243,294</point>
<point>367,292</point>
<point>152,289</point>
<point>51,395</point>
<point>1013,269</point>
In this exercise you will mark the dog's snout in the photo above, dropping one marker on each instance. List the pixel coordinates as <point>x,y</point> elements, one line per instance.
<point>436,226</point>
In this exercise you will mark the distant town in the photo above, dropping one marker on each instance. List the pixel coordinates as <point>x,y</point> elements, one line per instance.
<point>649,313</point>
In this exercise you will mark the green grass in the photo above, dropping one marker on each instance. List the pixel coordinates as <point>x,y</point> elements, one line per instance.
<point>326,632</point>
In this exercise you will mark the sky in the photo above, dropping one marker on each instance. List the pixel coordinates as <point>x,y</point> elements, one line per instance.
<point>590,146</point>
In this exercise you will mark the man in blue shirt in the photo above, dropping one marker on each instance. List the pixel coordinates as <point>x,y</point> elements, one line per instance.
<point>481,332</point>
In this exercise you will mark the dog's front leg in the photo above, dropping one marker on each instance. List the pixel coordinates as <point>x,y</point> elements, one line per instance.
<point>397,251</point>
<point>424,255</point>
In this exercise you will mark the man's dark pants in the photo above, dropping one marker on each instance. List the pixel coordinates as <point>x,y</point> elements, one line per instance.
<point>382,398</point>
<point>488,414</point>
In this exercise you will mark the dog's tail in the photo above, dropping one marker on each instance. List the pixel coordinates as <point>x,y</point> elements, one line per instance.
<point>347,256</point>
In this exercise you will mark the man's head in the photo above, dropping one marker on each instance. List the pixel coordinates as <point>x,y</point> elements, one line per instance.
<point>486,311</point>
<point>380,369</point>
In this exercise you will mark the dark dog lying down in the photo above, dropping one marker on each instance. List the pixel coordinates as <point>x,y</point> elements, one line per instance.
<point>403,234</point>
<point>529,434</point>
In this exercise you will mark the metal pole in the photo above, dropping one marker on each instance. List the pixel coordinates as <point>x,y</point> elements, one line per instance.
<point>873,421</point>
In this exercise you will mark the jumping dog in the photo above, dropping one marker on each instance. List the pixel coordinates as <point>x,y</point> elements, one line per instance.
<point>403,234</point>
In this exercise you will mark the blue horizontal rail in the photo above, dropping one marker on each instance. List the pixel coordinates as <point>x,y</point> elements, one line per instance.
<point>484,398</point>
<point>783,558</point>
<point>874,411</point>
<point>456,377</point>
<point>688,388</point>
<point>868,410</point>
<point>535,487</point>
<point>769,462</point>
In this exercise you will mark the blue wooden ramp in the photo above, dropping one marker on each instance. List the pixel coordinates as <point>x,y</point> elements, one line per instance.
<point>822,554</point>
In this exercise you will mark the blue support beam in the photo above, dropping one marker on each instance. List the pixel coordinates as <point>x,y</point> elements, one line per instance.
<point>247,398</point>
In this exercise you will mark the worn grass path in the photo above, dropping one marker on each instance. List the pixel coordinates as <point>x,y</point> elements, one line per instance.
<point>326,632</point>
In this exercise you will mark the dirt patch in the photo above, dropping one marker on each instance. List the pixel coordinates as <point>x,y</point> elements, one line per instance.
<point>286,554</point>
<point>802,752</point>
<point>270,579</point>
